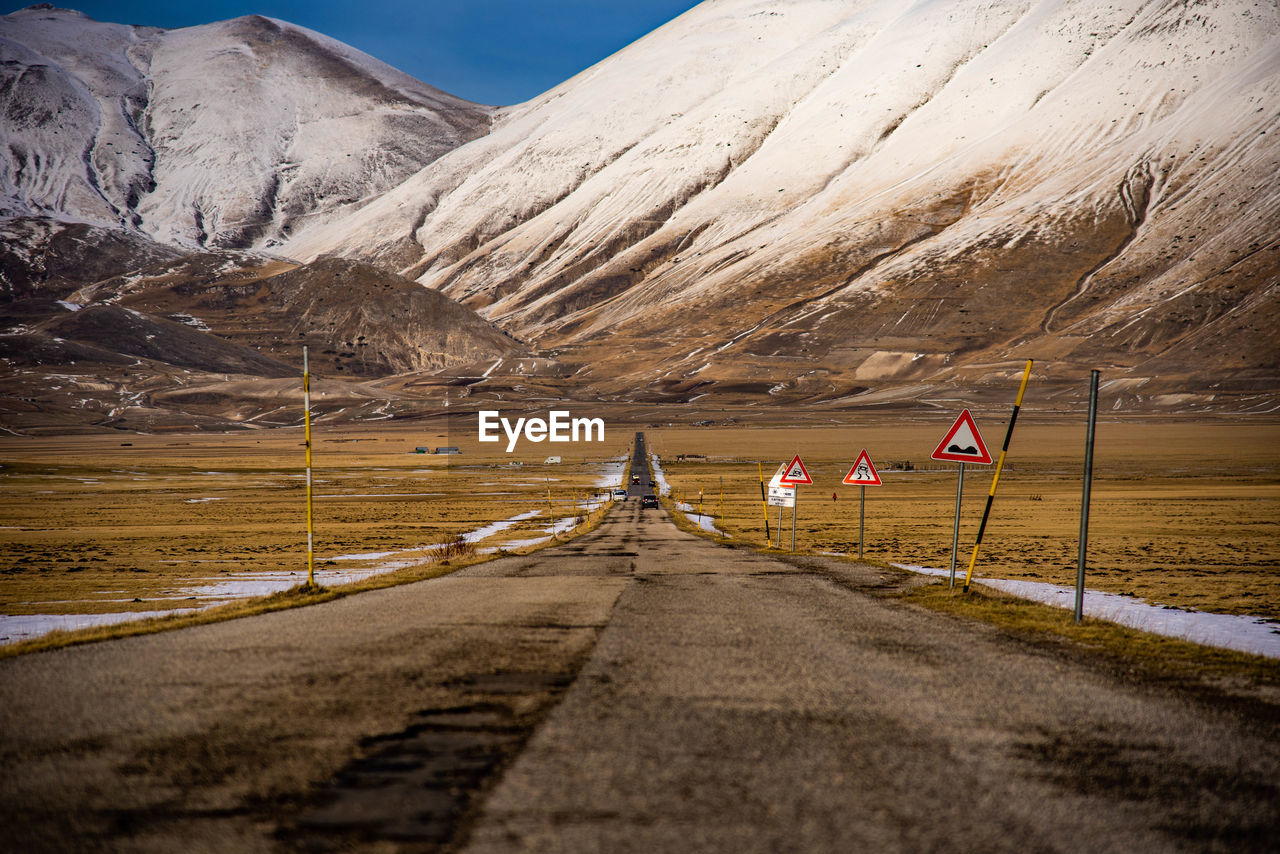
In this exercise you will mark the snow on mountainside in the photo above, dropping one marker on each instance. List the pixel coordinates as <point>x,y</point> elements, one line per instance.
<point>860,201</point>
<point>830,200</point>
<point>232,134</point>
<point>136,159</point>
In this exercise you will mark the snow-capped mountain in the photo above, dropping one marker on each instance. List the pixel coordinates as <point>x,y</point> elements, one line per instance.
<point>135,158</point>
<point>824,198</point>
<point>856,201</point>
<point>225,135</point>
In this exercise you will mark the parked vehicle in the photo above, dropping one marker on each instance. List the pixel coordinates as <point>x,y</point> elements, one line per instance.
<point>620,494</point>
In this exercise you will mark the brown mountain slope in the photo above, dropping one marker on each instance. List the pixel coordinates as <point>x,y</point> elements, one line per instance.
<point>860,202</point>
<point>215,340</point>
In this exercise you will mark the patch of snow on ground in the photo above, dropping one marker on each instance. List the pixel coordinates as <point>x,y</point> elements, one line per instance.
<point>193,322</point>
<point>706,523</point>
<point>497,527</point>
<point>1230,631</point>
<point>658,477</point>
<point>612,473</point>
<point>27,626</point>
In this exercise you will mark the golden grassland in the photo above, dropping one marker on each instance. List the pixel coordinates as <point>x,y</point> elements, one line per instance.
<point>123,522</point>
<point>1185,514</point>
<point>1182,514</point>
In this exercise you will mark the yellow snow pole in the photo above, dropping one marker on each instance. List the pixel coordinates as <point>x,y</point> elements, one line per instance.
<point>1026,374</point>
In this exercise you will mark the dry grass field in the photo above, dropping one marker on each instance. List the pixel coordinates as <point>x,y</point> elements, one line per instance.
<point>1182,514</point>
<point>121,522</point>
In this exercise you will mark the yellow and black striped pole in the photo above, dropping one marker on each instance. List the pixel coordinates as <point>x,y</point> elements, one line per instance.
<point>986,513</point>
<point>306,415</point>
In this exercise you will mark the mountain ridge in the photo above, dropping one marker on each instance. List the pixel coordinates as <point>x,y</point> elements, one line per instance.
<point>225,135</point>
<point>807,203</point>
<point>939,183</point>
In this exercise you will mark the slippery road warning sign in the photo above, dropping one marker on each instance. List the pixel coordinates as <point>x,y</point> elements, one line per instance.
<point>863,472</point>
<point>963,443</point>
<point>796,474</point>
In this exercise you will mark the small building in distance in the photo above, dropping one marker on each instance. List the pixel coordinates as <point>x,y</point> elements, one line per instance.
<point>448,449</point>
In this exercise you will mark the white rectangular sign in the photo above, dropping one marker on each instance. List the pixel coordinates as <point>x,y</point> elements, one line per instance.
<point>782,496</point>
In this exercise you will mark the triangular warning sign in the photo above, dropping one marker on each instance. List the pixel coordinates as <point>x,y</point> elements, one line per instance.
<point>863,472</point>
<point>796,473</point>
<point>963,443</point>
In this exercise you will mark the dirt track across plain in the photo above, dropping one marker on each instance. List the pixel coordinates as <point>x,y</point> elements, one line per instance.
<point>637,689</point>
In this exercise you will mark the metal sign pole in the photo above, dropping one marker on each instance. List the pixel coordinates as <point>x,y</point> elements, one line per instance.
<point>955,531</point>
<point>862,515</point>
<point>1084,501</point>
<point>793,518</point>
<point>306,416</point>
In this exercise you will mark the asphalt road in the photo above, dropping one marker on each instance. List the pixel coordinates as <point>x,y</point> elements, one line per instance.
<point>640,469</point>
<point>637,689</point>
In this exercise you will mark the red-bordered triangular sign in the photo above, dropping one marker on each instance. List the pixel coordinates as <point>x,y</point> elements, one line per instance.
<point>796,473</point>
<point>863,472</point>
<point>963,443</point>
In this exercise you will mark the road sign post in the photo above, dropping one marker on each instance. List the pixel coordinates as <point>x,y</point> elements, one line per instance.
<point>306,416</point>
<point>793,475</point>
<point>780,495</point>
<point>863,474</point>
<point>955,529</point>
<point>962,444</point>
<point>862,517</point>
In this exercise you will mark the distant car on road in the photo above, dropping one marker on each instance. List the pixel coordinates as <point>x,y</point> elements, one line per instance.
<point>649,501</point>
<point>620,494</point>
<point>635,480</point>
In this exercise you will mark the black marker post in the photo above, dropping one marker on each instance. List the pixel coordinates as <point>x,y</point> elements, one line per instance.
<point>1084,501</point>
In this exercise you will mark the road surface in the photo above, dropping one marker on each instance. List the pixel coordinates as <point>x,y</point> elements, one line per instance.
<point>637,689</point>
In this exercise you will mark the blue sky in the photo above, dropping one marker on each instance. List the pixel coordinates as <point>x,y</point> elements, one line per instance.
<point>491,51</point>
